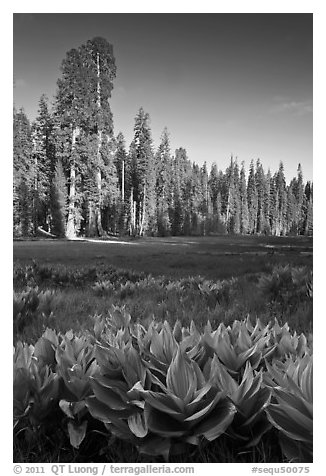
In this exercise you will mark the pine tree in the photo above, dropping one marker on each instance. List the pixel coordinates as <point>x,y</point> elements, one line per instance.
<point>280,185</point>
<point>298,191</point>
<point>252,199</point>
<point>267,202</point>
<point>180,165</point>
<point>237,200</point>
<point>163,185</point>
<point>244,213</point>
<point>44,162</point>
<point>23,176</point>
<point>143,175</point>
<point>291,210</point>
<point>58,202</point>
<point>121,164</point>
<point>308,209</point>
<point>260,189</point>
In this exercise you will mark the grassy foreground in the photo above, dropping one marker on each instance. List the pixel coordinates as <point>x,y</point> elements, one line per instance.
<point>217,279</point>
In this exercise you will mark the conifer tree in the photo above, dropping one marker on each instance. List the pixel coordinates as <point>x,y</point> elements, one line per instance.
<point>260,188</point>
<point>267,202</point>
<point>163,185</point>
<point>252,199</point>
<point>280,185</point>
<point>58,202</point>
<point>308,209</point>
<point>85,122</point>
<point>143,175</point>
<point>244,214</point>
<point>180,168</point>
<point>44,163</point>
<point>23,175</point>
<point>298,191</point>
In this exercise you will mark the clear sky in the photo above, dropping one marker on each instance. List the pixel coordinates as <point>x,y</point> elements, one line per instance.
<point>222,84</point>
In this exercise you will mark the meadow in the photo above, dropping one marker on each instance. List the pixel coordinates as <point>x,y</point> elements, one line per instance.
<point>76,288</point>
<point>213,257</point>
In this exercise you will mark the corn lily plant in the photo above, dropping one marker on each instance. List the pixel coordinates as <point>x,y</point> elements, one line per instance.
<point>187,406</point>
<point>250,399</point>
<point>75,364</point>
<point>292,409</point>
<point>36,388</point>
<point>115,402</point>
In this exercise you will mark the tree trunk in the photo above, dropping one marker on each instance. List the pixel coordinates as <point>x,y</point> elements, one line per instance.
<point>98,214</point>
<point>143,213</point>
<point>71,224</point>
<point>123,182</point>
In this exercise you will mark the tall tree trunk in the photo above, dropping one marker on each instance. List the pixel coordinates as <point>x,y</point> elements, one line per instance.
<point>98,214</point>
<point>35,196</point>
<point>123,182</point>
<point>71,224</point>
<point>143,213</point>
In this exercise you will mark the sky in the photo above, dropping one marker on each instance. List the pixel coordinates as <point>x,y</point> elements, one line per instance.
<point>222,84</point>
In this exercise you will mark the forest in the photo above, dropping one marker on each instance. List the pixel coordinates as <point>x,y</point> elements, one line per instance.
<point>73,177</point>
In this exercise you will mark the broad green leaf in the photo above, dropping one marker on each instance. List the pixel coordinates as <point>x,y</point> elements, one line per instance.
<point>138,425</point>
<point>77,433</point>
<point>108,396</point>
<point>181,377</point>
<point>162,423</point>
<point>217,422</point>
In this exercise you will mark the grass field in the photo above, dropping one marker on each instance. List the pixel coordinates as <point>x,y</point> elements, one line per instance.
<point>66,285</point>
<point>213,257</point>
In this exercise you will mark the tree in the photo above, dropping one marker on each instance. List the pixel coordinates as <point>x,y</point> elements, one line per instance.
<point>23,176</point>
<point>308,209</point>
<point>143,177</point>
<point>121,165</point>
<point>260,189</point>
<point>180,166</point>
<point>298,192</point>
<point>44,163</point>
<point>120,159</point>
<point>163,185</point>
<point>98,55</point>
<point>86,126</point>
<point>252,196</point>
<point>58,202</point>
<point>280,185</point>
<point>244,214</point>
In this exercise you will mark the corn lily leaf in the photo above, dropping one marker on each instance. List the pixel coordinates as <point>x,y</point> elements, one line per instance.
<point>71,409</point>
<point>181,379</point>
<point>221,378</point>
<point>195,417</point>
<point>77,433</point>
<point>253,406</point>
<point>23,355</point>
<point>138,425</point>
<point>162,423</point>
<point>108,396</point>
<point>285,398</point>
<point>165,403</point>
<point>217,422</point>
<point>44,351</point>
<point>290,422</point>
<point>101,411</point>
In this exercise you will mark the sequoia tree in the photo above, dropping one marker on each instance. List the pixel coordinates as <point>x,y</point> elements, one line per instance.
<point>85,121</point>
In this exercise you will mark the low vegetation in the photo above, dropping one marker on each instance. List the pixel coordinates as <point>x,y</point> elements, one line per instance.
<point>103,357</point>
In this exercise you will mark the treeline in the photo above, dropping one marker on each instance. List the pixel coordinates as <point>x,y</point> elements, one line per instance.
<point>73,177</point>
